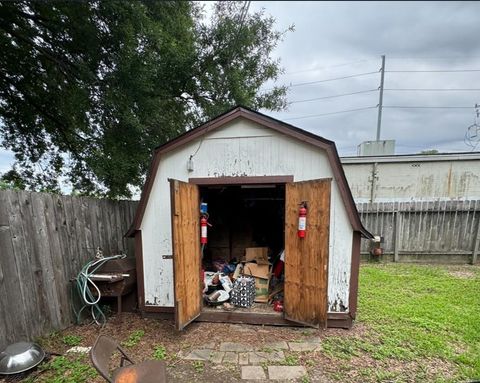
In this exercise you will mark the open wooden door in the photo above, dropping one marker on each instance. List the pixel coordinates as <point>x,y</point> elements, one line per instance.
<point>306,259</point>
<point>186,252</point>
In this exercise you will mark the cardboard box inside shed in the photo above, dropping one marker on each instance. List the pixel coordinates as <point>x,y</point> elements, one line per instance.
<point>256,270</point>
<point>259,254</point>
<point>261,273</point>
<point>261,290</point>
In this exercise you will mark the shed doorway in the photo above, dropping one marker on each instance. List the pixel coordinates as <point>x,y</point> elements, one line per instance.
<point>246,238</point>
<point>245,217</point>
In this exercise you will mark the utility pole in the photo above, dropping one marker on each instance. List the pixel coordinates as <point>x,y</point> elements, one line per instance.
<point>380,101</point>
<point>379,126</point>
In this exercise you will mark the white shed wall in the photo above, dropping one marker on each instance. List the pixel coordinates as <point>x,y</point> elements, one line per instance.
<point>241,148</point>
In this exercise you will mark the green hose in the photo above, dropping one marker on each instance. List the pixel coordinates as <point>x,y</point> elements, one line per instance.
<point>88,298</point>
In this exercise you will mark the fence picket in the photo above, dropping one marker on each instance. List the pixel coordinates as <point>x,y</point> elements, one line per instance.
<point>44,241</point>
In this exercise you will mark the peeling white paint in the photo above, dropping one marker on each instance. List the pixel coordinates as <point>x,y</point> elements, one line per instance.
<point>241,148</point>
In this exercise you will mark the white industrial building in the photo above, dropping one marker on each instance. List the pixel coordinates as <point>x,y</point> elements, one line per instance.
<point>414,177</point>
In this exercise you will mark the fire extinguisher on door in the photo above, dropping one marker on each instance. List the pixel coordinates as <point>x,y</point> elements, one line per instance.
<point>302,220</point>
<point>203,230</point>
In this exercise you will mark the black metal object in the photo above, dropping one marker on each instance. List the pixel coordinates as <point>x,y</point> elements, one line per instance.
<point>116,278</point>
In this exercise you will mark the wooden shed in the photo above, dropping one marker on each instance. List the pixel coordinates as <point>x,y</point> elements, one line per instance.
<point>253,171</point>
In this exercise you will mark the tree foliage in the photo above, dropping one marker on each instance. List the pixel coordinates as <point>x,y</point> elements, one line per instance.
<point>88,89</point>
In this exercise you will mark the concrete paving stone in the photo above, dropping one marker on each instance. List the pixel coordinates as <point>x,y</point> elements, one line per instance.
<point>259,357</point>
<point>235,347</point>
<point>281,345</point>
<point>243,358</point>
<point>210,346</point>
<point>286,372</point>
<point>216,356</point>
<point>198,355</point>
<point>303,346</point>
<point>230,357</point>
<point>276,356</point>
<point>313,339</point>
<point>253,373</point>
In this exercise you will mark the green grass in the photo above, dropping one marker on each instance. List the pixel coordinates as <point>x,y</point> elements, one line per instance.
<point>290,360</point>
<point>67,369</point>
<point>159,352</point>
<point>199,366</point>
<point>417,312</point>
<point>134,338</point>
<point>72,340</point>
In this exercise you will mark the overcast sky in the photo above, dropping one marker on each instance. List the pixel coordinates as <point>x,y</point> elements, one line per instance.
<point>338,39</point>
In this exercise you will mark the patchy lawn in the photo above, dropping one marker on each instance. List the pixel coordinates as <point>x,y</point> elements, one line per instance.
<point>415,324</point>
<point>422,323</point>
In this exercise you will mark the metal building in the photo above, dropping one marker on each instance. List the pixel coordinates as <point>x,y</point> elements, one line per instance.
<point>414,177</point>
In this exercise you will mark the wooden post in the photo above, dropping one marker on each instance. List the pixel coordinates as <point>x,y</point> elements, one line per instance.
<point>397,237</point>
<point>476,244</point>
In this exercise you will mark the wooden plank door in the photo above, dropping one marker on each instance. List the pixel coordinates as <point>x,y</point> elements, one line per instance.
<point>306,259</point>
<point>186,252</point>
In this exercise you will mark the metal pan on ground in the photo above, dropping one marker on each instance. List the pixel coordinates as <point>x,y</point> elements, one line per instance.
<point>20,357</point>
<point>223,296</point>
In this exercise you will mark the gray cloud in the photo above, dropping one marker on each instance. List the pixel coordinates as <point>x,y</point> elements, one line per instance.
<point>414,36</point>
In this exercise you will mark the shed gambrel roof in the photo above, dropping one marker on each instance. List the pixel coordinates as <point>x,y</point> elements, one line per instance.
<point>266,121</point>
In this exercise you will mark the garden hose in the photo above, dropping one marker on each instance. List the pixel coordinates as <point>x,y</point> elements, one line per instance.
<point>85,285</point>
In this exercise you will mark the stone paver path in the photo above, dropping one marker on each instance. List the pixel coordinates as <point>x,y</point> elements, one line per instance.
<point>286,372</point>
<point>253,373</point>
<point>235,347</point>
<point>254,364</point>
<point>303,346</point>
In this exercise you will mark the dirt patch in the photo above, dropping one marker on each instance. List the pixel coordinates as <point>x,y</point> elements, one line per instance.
<point>321,367</point>
<point>462,274</point>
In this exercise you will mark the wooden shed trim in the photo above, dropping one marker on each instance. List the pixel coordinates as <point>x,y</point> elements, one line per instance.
<point>256,180</point>
<point>269,122</point>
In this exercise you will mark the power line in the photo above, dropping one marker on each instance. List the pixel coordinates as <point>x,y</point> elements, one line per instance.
<point>427,107</point>
<point>326,80</point>
<point>314,69</point>
<point>328,114</point>
<point>435,71</point>
<point>434,89</point>
<point>433,58</point>
<point>331,79</point>
<point>333,96</point>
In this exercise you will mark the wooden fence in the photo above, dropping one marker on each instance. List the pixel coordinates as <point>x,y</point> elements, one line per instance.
<point>436,231</point>
<point>45,239</point>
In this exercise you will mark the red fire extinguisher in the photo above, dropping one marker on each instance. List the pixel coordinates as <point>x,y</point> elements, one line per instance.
<point>203,230</point>
<point>302,220</point>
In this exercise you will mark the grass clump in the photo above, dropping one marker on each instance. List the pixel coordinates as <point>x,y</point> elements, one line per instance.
<point>291,360</point>
<point>63,369</point>
<point>198,366</point>
<point>72,340</point>
<point>159,352</point>
<point>133,339</point>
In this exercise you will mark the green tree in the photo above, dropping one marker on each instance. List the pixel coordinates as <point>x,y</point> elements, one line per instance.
<point>88,89</point>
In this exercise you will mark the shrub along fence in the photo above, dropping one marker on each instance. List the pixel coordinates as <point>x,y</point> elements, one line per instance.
<point>434,231</point>
<point>45,239</point>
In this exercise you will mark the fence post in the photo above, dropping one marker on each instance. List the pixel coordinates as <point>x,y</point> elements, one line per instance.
<point>397,237</point>
<point>476,244</point>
